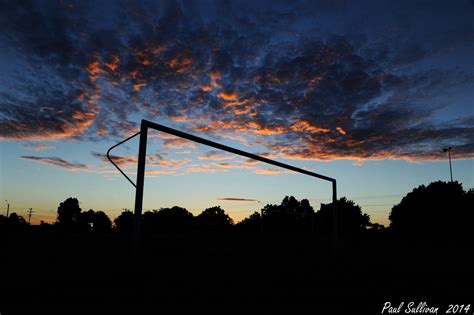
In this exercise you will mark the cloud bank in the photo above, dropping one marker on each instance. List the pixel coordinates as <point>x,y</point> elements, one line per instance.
<point>288,77</point>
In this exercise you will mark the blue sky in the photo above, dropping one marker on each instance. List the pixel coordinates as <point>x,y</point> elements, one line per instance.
<point>367,92</point>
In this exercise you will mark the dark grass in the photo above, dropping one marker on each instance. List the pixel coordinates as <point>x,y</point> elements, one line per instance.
<point>226,272</point>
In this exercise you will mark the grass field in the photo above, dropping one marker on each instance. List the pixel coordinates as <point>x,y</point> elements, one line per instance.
<point>226,272</point>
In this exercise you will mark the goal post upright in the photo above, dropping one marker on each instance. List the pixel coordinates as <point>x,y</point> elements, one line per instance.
<point>140,180</point>
<point>139,186</point>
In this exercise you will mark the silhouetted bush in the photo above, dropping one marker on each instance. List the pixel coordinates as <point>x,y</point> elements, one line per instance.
<point>253,223</point>
<point>69,215</point>
<point>95,221</point>
<point>351,220</point>
<point>214,218</point>
<point>174,219</point>
<point>290,215</point>
<point>14,222</point>
<point>439,210</point>
<point>124,222</point>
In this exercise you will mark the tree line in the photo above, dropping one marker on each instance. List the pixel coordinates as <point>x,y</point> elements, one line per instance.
<point>440,209</point>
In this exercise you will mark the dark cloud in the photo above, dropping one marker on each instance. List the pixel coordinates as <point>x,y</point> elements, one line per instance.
<point>119,160</point>
<point>132,160</point>
<point>38,146</point>
<point>237,199</point>
<point>303,80</point>
<point>59,162</point>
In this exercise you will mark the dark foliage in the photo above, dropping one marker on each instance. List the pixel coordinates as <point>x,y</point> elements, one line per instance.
<point>290,215</point>
<point>95,221</point>
<point>253,223</point>
<point>124,222</point>
<point>69,215</point>
<point>166,220</point>
<point>214,218</point>
<point>14,222</point>
<point>439,210</point>
<point>351,219</point>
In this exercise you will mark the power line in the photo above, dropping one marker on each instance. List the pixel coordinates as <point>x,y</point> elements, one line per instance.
<point>30,212</point>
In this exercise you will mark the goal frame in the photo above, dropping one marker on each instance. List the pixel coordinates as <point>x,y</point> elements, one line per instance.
<point>140,181</point>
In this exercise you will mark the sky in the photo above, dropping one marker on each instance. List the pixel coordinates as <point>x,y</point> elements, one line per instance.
<point>366,92</point>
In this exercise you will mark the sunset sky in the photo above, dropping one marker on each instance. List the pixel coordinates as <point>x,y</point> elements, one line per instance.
<point>367,92</point>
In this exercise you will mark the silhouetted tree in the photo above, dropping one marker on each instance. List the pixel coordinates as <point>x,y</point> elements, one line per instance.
<point>3,220</point>
<point>214,218</point>
<point>16,222</point>
<point>290,215</point>
<point>439,210</point>
<point>253,223</point>
<point>351,220</point>
<point>166,220</point>
<point>149,222</point>
<point>172,219</point>
<point>95,221</point>
<point>69,214</point>
<point>124,222</point>
<point>45,227</point>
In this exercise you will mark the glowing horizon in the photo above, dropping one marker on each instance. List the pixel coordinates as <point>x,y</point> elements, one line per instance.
<point>367,94</point>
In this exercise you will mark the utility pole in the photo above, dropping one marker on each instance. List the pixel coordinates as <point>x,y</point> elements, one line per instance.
<point>449,155</point>
<point>8,208</point>
<point>30,212</point>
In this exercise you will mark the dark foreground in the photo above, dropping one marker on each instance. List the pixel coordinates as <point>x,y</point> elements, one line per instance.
<point>224,272</point>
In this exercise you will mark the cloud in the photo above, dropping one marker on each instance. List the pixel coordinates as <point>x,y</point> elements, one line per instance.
<point>237,199</point>
<point>177,143</point>
<point>147,172</point>
<point>267,155</point>
<point>216,156</point>
<point>275,76</point>
<point>58,162</point>
<point>204,169</point>
<point>151,160</point>
<point>231,165</point>
<point>119,160</point>
<point>271,171</point>
<point>38,146</point>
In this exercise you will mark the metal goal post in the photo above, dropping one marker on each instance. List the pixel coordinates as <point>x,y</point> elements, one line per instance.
<point>145,124</point>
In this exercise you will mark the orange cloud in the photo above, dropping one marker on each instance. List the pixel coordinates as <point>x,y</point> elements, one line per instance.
<point>158,172</point>
<point>138,86</point>
<point>147,172</point>
<point>270,171</point>
<point>236,103</point>
<point>94,70</point>
<point>304,125</point>
<point>215,156</point>
<point>182,118</point>
<point>171,164</point>
<point>102,132</point>
<point>232,165</point>
<point>341,131</point>
<point>241,139</point>
<point>180,65</point>
<point>259,129</point>
<point>206,88</point>
<point>114,63</point>
<point>238,126</point>
<point>200,169</point>
<point>228,96</point>
<point>178,143</point>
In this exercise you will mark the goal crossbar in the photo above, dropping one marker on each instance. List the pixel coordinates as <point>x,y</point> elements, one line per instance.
<point>139,185</point>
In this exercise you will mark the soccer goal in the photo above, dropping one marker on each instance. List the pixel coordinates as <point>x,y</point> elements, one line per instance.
<point>145,124</point>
